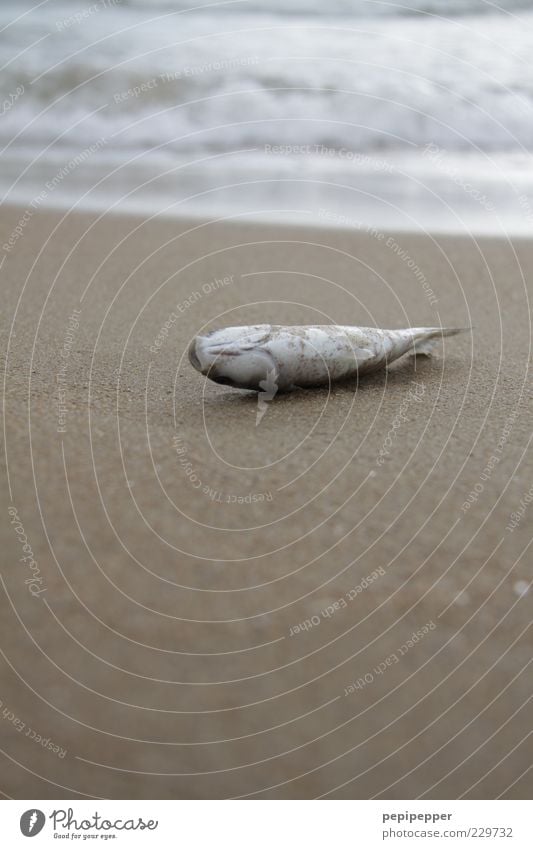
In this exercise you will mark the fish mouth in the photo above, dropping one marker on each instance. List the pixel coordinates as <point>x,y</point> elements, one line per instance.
<point>193,356</point>
<point>224,381</point>
<point>209,355</point>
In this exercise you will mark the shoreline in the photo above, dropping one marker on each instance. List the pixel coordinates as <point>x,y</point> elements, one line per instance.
<point>427,190</point>
<point>188,220</point>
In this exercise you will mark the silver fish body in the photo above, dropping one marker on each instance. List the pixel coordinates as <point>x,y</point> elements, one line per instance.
<point>253,356</point>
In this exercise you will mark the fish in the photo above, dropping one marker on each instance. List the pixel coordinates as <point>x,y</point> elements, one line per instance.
<point>281,358</point>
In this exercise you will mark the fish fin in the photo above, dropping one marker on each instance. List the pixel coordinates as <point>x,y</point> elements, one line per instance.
<point>425,338</point>
<point>424,348</point>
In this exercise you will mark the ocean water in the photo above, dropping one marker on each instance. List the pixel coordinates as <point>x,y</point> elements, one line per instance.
<point>339,112</point>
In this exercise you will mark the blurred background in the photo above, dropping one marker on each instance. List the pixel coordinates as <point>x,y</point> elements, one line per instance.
<point>348,112</point>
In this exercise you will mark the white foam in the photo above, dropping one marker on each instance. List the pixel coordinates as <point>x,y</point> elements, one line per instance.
<point>161,91</point>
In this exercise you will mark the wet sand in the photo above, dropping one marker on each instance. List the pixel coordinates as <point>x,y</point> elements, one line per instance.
<point>331,602</point>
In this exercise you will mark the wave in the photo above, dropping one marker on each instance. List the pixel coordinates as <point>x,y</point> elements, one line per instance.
<point>219,86</point>
<point>268,103</point>
<point>347,8</point>
<point>292,8</point>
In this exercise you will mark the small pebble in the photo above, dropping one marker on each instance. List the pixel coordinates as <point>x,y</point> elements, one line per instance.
<point>521,588</point>
<point>463,599</point>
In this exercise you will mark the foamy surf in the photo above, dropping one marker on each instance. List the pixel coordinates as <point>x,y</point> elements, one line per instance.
<point>389,114</point>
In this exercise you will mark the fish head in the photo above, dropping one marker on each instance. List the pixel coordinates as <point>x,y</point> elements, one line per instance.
<point>234,356</point>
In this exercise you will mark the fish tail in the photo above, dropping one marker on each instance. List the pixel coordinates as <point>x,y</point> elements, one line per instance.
<point>425,338</point>
<point>435,332</point>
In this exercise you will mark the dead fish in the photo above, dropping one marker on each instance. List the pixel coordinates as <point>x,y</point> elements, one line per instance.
<point>286,358</point>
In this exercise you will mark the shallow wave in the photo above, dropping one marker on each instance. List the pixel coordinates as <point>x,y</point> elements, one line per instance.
<point>218,84</point>
<point>270,105</point>
<point>353,8</point>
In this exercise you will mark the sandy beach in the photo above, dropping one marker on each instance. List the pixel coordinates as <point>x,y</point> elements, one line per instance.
<point>332,602</point>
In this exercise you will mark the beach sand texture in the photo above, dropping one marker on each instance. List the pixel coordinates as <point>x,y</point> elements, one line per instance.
<point>176,547</point>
